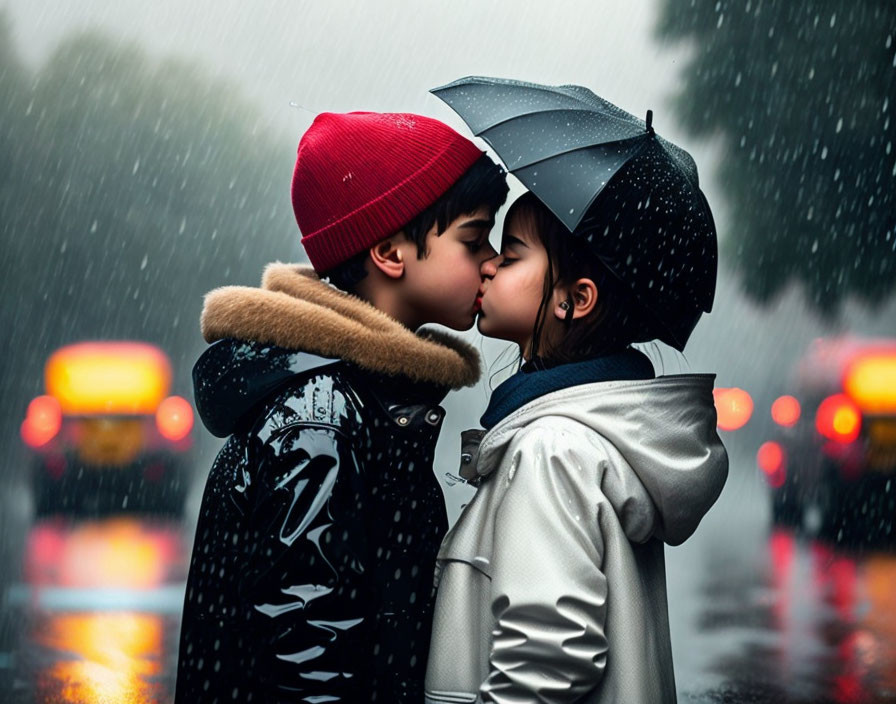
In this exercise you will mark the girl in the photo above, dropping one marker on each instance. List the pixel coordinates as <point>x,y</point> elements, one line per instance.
<point>551,586</point>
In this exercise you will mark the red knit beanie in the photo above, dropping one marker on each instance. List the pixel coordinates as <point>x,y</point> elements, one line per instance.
<point>362,176</point>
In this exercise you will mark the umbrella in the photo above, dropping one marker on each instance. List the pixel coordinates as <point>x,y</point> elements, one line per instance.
<point>609,178</point>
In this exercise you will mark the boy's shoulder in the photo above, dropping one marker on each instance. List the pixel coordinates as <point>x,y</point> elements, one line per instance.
<point>237,381</point>
<point>245,386</point>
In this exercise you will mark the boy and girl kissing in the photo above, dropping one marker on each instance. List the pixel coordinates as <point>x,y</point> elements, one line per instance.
<point>323,569</point>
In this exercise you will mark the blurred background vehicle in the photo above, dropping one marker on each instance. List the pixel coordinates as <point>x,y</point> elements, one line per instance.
<point>106,437</point>
<point>831,463</point>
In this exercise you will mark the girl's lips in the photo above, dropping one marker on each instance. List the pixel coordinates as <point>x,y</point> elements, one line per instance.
<point>477,305</point>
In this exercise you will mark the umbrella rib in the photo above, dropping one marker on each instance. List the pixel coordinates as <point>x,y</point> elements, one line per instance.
<point>576,149</point>
<point>584,109</point>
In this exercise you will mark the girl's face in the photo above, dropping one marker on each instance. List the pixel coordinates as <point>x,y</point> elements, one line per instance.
<point>513,284</point>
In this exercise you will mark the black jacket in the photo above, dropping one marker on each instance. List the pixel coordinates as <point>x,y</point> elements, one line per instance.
<point>311,576</point>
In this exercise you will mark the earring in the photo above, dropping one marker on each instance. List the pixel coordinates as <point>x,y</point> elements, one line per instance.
<point>564,305</point>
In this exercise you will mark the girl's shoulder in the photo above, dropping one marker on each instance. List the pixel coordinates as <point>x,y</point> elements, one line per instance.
<point>559,440</point>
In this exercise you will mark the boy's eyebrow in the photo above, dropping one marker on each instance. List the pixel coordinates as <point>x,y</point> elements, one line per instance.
<point>477,224</point>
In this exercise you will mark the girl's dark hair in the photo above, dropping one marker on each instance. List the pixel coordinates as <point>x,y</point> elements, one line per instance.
<point>617,319</point>
<point>484,183</point>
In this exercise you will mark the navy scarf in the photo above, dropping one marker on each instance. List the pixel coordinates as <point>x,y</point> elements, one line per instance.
<point>529,384</point>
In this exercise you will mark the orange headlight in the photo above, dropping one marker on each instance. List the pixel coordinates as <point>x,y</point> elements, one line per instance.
<point>871,382</point>
<point>108,377</point>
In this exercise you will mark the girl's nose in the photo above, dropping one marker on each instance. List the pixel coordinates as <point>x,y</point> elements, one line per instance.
<point>489,267</point>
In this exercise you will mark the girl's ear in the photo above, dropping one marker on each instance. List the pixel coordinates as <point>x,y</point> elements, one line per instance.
<point>388,258</point>
<point>576,300</point>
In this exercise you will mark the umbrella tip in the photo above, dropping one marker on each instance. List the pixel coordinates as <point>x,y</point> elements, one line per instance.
<point>650,122</point>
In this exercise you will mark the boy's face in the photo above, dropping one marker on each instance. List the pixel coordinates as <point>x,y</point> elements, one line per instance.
<point>443,287</point>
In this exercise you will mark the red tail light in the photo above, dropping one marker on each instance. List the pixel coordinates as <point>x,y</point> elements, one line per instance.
<point>772,460</point>
<point>42,422</point>
<point>838,418</point>
<point>786,411</point>
<point>733,407</point>
<point>174,418</point>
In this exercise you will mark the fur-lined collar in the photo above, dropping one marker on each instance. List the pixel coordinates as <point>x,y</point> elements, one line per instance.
<point>294,309</point>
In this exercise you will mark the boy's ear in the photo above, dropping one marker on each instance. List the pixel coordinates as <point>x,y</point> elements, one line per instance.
<point>388,258</point>
<point>580,298</point>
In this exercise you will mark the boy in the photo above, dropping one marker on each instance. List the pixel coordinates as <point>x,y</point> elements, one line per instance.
<point>311,576</point>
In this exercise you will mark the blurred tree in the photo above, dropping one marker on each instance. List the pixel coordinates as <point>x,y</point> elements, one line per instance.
<point>800,91</point>
<point>12,92</point>
<point>129,188</point>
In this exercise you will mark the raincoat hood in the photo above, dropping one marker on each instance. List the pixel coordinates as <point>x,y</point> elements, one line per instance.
<point>263,337</point>
<point>661,431</point>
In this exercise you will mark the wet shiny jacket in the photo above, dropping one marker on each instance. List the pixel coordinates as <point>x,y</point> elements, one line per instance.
<point>311,575</point>
<point>552,582</point>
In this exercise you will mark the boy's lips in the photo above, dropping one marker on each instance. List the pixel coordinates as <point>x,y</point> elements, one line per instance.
<point>477,304</point>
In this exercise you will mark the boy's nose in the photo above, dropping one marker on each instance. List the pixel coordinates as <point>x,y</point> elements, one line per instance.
<point>489,266</point>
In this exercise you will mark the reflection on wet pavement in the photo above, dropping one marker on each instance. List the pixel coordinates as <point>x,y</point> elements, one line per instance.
<point>779,617</point>
<point>100,657</point>
<point>757,615</point>
<point>100,609</point>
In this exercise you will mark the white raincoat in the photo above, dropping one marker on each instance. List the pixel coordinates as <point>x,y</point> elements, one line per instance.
<point>552,583</point>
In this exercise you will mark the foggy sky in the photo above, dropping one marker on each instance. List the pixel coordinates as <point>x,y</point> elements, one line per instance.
<point>367,55</point>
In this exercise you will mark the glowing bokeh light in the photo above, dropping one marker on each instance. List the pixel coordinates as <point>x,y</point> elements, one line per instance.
<point>772,460</point>
<point>838,418</point>
<point>734,407</point>
<point>174,418</point>
<point>786,411</point>
<point>42,421</point>
<point>871,382</point>
<point>108,377</point>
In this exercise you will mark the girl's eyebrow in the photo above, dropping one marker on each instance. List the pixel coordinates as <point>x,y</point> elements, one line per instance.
<point>511,241</point>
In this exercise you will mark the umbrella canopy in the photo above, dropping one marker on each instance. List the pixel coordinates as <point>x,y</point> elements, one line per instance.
<point>609,178</point>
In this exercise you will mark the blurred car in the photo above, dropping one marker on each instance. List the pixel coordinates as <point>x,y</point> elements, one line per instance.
<point>831,465</point>
<point>106,437</point>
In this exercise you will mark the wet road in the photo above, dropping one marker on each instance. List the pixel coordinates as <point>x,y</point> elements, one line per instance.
<point>94,616</point>
<point>760,614</point>
<point>757,615</point>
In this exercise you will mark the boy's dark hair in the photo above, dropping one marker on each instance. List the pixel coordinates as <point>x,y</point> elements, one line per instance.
<point>484,183</point>
<point>616,321</point>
